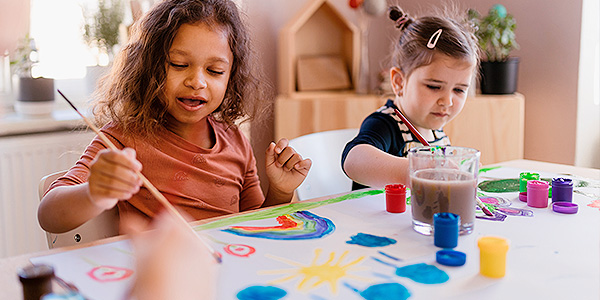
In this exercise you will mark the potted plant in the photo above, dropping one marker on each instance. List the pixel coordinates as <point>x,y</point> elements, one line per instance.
<point>101,29</point>
<point>35,95</point>
<point>101,33</point>
<point>496,35</point>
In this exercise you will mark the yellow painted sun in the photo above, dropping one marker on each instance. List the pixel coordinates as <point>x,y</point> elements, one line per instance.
<point>316,274</point>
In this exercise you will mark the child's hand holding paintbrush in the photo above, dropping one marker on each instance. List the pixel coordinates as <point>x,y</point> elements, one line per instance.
<point>116,175</point>
<point>113,177</point>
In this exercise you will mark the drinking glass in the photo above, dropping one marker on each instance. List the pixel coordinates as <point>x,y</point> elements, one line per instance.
<point>443,179</point>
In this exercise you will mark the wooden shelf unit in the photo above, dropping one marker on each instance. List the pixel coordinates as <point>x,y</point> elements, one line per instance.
<point>493,124</point>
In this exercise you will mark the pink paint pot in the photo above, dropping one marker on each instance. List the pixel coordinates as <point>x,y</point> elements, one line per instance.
<point>537,193</point>
<point>395,198</point>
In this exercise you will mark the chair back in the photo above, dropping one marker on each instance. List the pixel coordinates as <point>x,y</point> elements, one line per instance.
<point>325,150</point>
<point>102,226</point>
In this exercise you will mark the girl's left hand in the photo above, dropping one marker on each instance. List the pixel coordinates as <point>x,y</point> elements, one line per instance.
<point>285,168</point>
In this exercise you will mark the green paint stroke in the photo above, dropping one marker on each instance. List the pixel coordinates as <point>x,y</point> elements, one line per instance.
<point>509,185</point>
<point>483,170</point>
<point>282,210</point>
<point>500,185</point>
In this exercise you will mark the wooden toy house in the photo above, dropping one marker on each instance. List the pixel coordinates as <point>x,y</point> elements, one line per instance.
<point>319,51</point>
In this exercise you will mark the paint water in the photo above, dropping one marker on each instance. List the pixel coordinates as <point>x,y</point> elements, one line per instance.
<point>442,190</point>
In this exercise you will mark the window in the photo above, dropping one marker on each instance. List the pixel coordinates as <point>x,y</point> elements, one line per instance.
<point>57,28</point>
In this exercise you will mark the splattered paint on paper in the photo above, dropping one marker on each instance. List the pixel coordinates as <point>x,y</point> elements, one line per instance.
<point>301,225</point>
<point>283,210</point>
<point>389,256</point>
<point>259,292</point>
<point>383,291</point>
<point>423,273</point>
<point>369,240</point>
<point>109,273</point>
<point>239,250</point>
<point>313,275</point>
<point>499,185</point>
<point>595,204</point>
<point>483,170</point>
<point>500,208</point>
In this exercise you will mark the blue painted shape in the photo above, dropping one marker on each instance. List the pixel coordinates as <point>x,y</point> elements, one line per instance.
<point>369,240</point>
<point>386,291</point>
<point>423,273</point>
<point>389,256</point>
<point>383,262</point>
<point>258,292</point>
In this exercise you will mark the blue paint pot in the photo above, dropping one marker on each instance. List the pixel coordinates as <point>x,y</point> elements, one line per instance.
<point>445,229</point>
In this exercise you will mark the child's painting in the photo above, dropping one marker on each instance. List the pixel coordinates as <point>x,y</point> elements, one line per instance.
<point>351,248</point>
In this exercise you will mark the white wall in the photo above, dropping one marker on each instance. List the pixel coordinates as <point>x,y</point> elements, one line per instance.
<point>588,110</point>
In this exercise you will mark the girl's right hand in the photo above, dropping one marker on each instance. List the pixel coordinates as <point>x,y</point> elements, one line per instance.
<point>113,177</point>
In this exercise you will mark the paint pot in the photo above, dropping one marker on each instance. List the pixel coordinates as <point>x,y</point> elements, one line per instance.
<point>523,178</point>
<point>492,256</point>
<point>36,281</point>
<point>445,230</point>
<point>395,198</point>
<point>562,189</point>
<point>537,193</point>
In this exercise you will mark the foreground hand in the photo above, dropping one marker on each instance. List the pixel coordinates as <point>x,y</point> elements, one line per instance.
<point>171,262</point>
<point>113,177</point>
<point>285,168</point>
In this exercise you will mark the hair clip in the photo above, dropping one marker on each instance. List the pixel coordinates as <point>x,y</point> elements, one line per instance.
<point>432,42</point>
<point>401,22</point>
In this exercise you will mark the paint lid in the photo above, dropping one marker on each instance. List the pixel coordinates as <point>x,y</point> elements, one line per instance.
<point>565,207</point>
<point>395,188</point>
<point>450,258</point>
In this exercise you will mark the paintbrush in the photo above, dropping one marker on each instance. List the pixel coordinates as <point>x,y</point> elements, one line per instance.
<point>153,190</point>
<point>412,128</point>
<point>426,143</point>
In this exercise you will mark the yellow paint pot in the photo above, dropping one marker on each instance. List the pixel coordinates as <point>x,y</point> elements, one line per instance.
<point>492,256</point>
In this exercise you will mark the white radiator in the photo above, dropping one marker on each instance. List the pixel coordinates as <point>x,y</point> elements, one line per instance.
<point>24,160</point>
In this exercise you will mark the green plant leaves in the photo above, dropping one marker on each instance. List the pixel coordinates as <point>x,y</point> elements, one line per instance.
<point>495,32</point>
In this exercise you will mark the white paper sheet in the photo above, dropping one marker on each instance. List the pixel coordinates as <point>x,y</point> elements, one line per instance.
<point>551,255</point>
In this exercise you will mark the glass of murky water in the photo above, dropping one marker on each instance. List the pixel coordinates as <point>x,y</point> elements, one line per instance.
<point>443,179</point>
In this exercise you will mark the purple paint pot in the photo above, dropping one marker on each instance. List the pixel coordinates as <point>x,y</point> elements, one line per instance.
<point>537,193</point>
<point>562,189</point>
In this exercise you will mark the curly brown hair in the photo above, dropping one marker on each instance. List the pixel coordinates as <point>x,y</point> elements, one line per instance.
<point>132,94</point>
